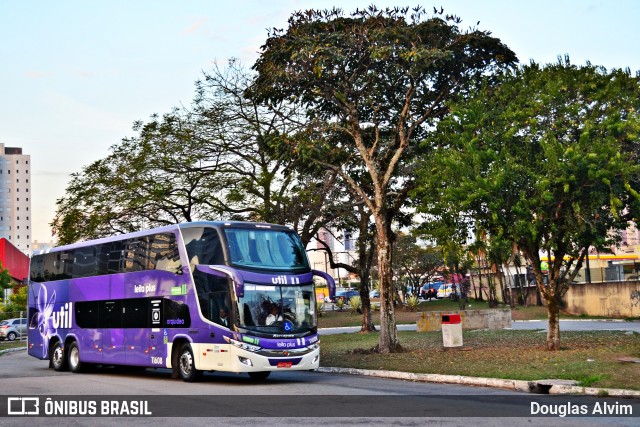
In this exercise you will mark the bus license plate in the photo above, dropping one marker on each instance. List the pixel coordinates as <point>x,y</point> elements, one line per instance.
<point>284,364</point>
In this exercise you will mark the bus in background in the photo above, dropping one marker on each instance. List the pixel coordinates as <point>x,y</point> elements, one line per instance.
<point>193,297</point>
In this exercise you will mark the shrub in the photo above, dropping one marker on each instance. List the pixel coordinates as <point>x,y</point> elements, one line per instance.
<point>320,308</point>
<point>340,303</point>
<point>413,302</point>
<point>356,304</point>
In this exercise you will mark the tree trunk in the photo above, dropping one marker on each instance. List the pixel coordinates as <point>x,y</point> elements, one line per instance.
<point>553,332</point>
<point>366,250</point>
<point>367,318</point>
<point>388,333</point>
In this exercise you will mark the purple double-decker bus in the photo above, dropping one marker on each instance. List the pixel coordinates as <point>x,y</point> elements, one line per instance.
<point>193,297</point>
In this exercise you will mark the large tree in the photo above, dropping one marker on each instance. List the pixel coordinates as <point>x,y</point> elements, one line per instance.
<point>213,160</point>
<point>548,160</point>
<point>379,79</point>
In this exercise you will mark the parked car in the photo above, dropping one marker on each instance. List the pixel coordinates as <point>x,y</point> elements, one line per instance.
<point>374,294</point>
<point>345,295</point>
<point>447,290</point>
<point>430,290</point>
<point>11,329</point>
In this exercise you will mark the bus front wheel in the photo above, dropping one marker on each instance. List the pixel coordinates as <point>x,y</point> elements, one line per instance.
<point>58,358</point>
<point>75,365</point>
<point>187,366</point>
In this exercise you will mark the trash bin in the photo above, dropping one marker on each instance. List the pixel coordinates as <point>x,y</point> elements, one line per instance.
<point>451,330</point>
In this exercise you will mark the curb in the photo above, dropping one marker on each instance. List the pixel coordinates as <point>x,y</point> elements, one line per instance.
<point>12,350</point>
<point>512,385</point>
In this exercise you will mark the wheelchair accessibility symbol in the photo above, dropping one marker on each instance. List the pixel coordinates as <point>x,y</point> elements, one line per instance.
<point>288,326</point>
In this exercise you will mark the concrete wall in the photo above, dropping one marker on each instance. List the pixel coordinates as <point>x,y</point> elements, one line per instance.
<point>471,319</point>
<point>610,299</point>
<point>607,299</point>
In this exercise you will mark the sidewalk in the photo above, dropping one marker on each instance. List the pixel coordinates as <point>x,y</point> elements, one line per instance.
<point>549,386</point>
<point>538,387</point>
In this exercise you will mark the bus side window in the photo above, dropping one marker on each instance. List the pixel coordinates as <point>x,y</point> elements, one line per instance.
<point>176,315</point>
<point>135,313</point>
<point>84,262</point>
<point>86,314</point>
<point>116,258</point>
<point>110,314</point>
<point>165,253</point>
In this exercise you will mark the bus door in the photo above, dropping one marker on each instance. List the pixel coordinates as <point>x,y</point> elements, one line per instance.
<point>135,322</point>
<point>112,332</point>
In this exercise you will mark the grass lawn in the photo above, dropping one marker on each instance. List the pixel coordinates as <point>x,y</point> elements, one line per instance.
<point>590,357</point>
<point>5,345</point>
<point>345,317</point>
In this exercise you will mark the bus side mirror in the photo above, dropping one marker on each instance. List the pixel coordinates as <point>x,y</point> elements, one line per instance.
<point>330,282</point>
<point>227,273</point>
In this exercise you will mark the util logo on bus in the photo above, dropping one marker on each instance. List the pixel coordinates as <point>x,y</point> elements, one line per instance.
<point>282,280</point>
<point>62,318</point>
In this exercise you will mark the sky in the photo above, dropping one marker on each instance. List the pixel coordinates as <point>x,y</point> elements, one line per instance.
<point>75,75</point>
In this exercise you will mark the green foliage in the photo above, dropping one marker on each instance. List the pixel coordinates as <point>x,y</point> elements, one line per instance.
<point>219,159</point>
<point>413,302</point>
<point>6,281</point>
<point>414,262</point>
<point>320,308</point>
<point>17,302</point>
<point>545,159</point>
<point>372,83</point>
<point>340,303</point>
<point>356,304</point>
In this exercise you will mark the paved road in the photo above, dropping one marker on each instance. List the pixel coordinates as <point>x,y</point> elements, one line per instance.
<point>235,400</point>
<point>565,325</point>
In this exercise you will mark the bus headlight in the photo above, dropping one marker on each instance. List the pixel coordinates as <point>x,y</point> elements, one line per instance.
<point>243,345</point>
<point>245,361</point>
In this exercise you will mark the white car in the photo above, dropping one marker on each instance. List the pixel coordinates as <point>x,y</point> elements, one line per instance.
<point>11,329</point>
<point>445,290</point>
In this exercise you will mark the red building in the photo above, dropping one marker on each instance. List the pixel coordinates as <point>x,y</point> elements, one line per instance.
<point>14,260</point>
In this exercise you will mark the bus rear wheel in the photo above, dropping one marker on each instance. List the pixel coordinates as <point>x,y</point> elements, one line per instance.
<point>259,376</point>
<point>58,358</point>
<point>187,365</point>
<point>75,365</point>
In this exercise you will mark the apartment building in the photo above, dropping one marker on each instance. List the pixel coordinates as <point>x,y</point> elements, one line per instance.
<point>15,197</point>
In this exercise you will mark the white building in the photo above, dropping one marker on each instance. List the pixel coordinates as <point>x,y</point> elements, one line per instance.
<point>343,247</point>
<point>15,197</point>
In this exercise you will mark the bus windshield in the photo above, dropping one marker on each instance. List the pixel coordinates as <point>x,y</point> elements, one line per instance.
<point>265,249</point>
<point>277,309</point>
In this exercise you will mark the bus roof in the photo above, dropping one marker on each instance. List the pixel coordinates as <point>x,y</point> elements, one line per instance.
<point>165,229</point>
